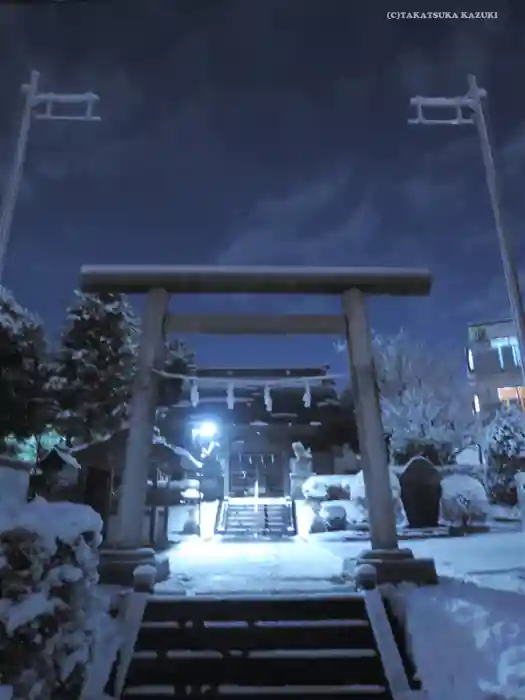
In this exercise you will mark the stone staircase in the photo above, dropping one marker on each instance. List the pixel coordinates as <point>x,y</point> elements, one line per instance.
<point>256,517</point>
<point>265,648</point>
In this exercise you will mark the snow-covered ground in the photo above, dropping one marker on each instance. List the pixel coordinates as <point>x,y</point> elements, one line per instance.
<point>476,649</point>
<point>493,559</point>
<point>216,566</point>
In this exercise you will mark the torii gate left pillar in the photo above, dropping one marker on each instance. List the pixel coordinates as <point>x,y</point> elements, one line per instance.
<point>351,285</point>
<point>142,421</point>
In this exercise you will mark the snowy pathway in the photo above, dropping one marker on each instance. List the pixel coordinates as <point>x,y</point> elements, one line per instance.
<point>496,560</point>
<point>207,567</point>
<point>216,566</point>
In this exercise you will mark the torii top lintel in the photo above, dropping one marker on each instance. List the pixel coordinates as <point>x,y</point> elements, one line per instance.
<point>217,279</point>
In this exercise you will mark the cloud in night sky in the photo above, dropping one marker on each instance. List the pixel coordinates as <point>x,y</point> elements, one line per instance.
<point>262,132</point>
<point>274,231</point>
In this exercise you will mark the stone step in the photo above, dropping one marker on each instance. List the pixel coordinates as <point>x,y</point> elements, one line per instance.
<point>252,646</point>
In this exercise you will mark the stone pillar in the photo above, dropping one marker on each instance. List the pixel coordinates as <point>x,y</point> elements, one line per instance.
<point>374,457</point>
<point>227,453</point>
<point>391,563</point>
<point>142,420</point>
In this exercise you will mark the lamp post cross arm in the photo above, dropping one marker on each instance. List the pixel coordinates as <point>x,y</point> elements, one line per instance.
<point>471,101</point>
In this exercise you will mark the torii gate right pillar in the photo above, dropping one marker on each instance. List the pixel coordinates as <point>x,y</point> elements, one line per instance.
<point>392,564</point>
<point>372,445</point>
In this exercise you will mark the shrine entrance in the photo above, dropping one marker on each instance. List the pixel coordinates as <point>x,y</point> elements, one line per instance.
<point>351,285</point>
<point>258,475</point>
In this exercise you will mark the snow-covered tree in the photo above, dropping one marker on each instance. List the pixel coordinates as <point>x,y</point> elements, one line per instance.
<point>178,360</point>
<point>23,406</point>
<point>425,402</point>
<point>94,366</point>
<point>505,434</point>
<point>505,452</point>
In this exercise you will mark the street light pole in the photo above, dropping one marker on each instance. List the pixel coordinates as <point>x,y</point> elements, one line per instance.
<point>32,99</point>
<point>472,101</point>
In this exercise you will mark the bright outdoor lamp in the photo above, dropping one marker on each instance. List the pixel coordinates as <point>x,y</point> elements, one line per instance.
<point>206,430</point>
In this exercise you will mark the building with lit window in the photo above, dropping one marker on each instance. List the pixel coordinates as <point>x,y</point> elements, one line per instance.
<point>494,366</point>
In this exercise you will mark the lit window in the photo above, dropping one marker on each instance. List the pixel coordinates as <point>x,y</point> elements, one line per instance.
<point>470,360</point>
<point>477,407</point>
<point>509,394</point>
<point>510,342</point>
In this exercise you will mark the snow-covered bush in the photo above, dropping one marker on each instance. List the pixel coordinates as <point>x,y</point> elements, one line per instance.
<point>360,500</point>
<point>323,487</point>
<point>50,613</point>
<point>317,525</point>
<point>353,506</point>
<point>463,501</point>
<point>404,445</point>
<point>334,516</point>
<point>505,452</point>
<point>476,471</point>
<point>338,492</point>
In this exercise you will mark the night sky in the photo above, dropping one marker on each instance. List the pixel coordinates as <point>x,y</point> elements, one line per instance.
<point>265,132</point>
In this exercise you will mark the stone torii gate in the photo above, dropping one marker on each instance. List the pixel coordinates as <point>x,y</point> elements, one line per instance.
<point>352,285</point>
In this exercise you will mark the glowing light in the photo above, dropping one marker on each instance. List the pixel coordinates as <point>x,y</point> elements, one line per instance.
<point>470,360</point>
<point>205,430</point>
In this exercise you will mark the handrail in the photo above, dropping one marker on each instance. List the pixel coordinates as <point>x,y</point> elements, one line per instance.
<point>136,601</point>
<point>395,673</point>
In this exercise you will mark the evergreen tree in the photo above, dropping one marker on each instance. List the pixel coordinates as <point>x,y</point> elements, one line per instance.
<point>94,366</point>
<point>178,360</point>
<point>23,406</point>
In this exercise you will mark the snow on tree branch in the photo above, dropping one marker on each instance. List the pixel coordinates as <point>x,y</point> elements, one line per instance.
<point>424,397</point>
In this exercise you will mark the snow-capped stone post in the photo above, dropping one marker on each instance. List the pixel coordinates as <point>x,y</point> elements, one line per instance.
<point>374,457</point>
<point>142,421</point>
